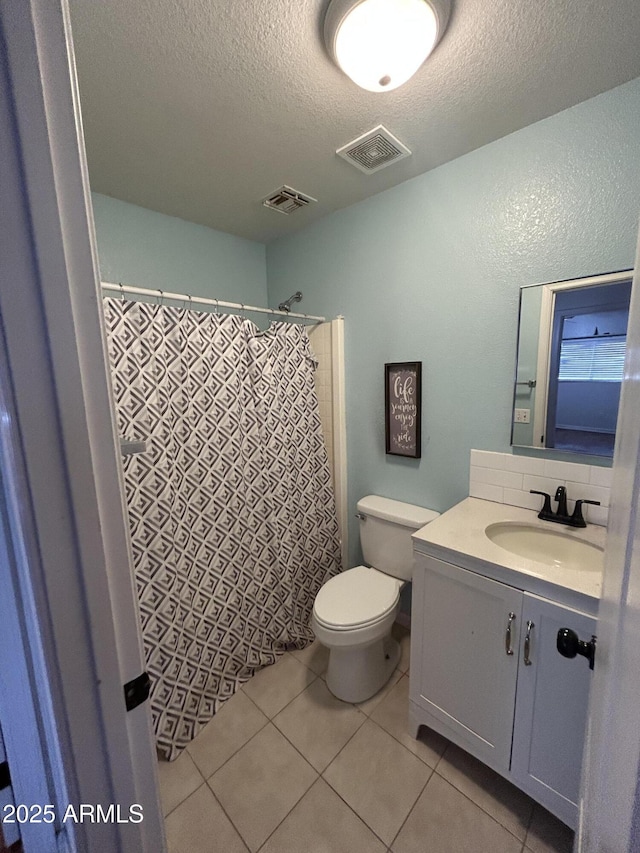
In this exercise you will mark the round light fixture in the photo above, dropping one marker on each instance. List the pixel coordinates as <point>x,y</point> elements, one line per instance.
<point>380,44</point>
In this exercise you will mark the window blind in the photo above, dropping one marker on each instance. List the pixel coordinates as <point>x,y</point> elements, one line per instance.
<point>597,359</point>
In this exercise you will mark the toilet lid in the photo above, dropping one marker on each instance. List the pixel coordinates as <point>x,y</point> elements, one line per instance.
<point>356,598</point>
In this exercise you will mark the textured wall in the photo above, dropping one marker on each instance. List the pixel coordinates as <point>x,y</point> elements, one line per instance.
<point>430,270</point>
<point>148,249</point>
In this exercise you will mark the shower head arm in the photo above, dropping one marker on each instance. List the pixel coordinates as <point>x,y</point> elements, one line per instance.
<point>286,305</point>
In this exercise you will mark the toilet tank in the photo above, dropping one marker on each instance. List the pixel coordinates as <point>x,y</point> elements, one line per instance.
<point>385,533</point>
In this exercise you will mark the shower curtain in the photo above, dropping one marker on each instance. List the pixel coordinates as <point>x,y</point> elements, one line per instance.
<point>231,509</point>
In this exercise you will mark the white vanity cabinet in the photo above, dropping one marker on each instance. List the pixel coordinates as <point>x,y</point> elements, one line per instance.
<point>486,674</point>
<point>551,709</point>
<point>460,671</point>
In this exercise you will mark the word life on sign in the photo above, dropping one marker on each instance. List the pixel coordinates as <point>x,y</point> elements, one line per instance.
<point>403,404</point>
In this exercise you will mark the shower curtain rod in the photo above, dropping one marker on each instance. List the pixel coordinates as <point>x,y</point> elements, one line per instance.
<point>202,300</point>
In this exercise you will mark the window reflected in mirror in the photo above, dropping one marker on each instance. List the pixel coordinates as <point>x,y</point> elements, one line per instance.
<point>571,348</point>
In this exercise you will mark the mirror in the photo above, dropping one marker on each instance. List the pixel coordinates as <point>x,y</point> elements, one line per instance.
<point>571,345</point>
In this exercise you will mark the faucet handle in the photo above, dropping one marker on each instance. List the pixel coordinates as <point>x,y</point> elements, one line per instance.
<point>546,512</point>
<point>562,513</point>
<point>577,519</point>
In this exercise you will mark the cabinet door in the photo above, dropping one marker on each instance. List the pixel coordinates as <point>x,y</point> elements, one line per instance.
<point>465,678</point>
<point>551,709</point>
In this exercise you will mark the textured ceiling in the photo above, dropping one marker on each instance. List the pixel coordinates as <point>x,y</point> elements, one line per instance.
<point>200,108</point>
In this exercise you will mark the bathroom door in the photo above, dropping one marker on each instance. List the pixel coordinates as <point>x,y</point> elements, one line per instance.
<point>610,795</point>
<point>65,571</point>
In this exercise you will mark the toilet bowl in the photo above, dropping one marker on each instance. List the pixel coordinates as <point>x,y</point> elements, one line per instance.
<point>352,616</point>
<point>354,611</point>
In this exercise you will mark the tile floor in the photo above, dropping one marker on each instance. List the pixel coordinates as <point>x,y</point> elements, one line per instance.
<point>285,767</point>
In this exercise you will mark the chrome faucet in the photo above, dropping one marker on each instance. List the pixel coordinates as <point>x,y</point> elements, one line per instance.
<point>561,515</point>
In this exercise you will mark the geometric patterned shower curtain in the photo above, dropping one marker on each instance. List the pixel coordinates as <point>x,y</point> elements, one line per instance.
<point>231,509</point>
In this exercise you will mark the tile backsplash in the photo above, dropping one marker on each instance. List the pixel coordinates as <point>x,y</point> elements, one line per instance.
<point>507,479</point>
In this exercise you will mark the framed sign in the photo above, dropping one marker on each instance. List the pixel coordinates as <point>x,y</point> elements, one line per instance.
<point>403,408</point>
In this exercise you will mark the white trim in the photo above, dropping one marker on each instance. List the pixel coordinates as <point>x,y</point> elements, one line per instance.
<point>34,745</point>
<point>32,740</point>
<point>587,281</point>
<point>19,684</point>
<point>340,433</point>
<point>78,562</point>
<point>610,797</point>
<point>545,337</point>
<point>542,368</point>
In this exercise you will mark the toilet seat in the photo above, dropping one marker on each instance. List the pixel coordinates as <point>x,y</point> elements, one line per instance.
<point>357,598</point>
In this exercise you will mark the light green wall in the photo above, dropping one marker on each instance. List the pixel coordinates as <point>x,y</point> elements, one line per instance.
<point>430,270</point>
<point>148,249</point>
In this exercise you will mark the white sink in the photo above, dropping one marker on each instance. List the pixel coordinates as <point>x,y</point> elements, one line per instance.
<point>551,547</point>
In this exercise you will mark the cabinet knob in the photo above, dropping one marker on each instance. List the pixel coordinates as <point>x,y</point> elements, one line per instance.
<point>569,645</point>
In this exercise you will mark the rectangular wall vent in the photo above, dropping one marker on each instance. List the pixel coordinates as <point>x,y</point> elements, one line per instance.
<point>287,200</point>
<point>374,150</point>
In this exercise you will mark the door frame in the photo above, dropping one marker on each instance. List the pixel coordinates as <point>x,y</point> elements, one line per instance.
<point>77,639</point>
<point>546,339</point>
<point>610,790</point>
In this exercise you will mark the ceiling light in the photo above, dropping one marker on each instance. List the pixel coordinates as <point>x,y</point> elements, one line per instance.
<point>380,44</point>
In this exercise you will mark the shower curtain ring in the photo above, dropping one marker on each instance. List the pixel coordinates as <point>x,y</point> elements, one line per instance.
<point>161,292</point>
<point>121,291</point>
<point>217,309</point>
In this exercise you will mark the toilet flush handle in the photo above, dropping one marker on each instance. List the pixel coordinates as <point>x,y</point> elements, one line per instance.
<point>361,516</point>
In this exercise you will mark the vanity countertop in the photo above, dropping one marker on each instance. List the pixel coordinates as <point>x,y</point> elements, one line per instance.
<point>458,536</point>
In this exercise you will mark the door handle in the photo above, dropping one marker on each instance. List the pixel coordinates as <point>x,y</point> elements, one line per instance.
<point>507,637</point>
<point>569,645</point>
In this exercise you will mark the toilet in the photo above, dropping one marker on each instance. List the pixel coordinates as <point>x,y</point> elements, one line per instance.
<point>354,611</point>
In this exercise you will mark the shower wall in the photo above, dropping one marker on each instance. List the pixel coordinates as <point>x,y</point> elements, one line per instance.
<point>327,342</point>
<point>320,337</point>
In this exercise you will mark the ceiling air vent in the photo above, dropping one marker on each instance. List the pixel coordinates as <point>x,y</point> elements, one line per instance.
<point>374,150</point>
<point>287,200</point>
